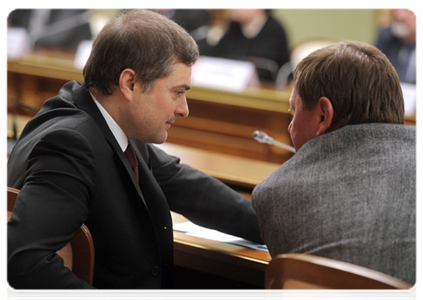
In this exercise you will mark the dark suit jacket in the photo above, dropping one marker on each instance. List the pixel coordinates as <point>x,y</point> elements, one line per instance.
<point>71,170</point>
<point>398,52</point>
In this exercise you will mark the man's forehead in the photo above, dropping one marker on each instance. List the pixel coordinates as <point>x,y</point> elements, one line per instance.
<point>293,95</point>
<point>179,77</point>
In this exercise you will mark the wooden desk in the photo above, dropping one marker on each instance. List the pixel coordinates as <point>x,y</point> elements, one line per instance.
<point>219,262</point>
<point>242,173</point>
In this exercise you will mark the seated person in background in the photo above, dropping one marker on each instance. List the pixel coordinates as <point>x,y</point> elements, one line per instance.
<point>253,34</point>
<point>71,166</point>
<point>53,28</point>
<point>349,192</point>
<point>398,43</point>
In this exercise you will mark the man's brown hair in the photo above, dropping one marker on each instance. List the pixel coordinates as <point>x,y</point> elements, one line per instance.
<point>143,41</point>
<point>357,78</point>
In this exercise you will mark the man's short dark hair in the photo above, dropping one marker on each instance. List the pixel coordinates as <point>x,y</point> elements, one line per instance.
<point>357,78</point>
<point>143,41</point>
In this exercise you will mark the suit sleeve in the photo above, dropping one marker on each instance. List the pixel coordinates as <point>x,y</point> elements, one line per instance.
<point>203,199</point>
<point>52,205</point>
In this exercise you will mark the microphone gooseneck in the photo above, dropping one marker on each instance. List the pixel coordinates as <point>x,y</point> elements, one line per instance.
<point>263,138</point>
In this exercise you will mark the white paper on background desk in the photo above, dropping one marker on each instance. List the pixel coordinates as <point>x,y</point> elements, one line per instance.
<point>82,53</point>
<point>205,233</point>
<point>17,42</point>
<point>224,74</point>
<point>409,94</point>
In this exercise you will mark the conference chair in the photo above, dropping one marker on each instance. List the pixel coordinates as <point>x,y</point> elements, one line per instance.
<point>78,254</point>
<point>304,271</point>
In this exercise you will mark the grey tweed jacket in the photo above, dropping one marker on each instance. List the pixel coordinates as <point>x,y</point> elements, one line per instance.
<point>349,195</point>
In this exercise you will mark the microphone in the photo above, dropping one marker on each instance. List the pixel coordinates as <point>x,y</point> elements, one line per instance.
<point>263,138</point>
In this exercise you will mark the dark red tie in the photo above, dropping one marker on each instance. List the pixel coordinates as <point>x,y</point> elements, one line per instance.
<point>130,155</point>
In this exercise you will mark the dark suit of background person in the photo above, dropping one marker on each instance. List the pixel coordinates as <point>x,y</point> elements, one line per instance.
<point>269,42</point>
<point>55,28</point>
<point>348,194</point>
<point>71,170</point>
<point>398,43</point>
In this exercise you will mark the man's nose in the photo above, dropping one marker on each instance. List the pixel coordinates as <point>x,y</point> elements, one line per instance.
<point>182,109</point>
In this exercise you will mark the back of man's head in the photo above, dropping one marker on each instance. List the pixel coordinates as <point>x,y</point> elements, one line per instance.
<point>143,41</point>
<point>357,78</point>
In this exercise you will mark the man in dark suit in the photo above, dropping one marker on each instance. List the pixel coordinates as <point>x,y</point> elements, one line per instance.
<point>70,166</point>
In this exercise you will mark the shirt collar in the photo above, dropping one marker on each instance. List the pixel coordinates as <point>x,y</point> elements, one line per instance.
<point>117,132</point>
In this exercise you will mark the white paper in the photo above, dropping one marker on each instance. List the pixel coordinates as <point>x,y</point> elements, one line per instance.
<point>82,54</point>
<point>17,42</point>
<point>224,74</point>
<point>206,233</point>
<point>409,94</point>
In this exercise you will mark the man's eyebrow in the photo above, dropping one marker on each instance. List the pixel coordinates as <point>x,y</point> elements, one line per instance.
<point>186,87</point>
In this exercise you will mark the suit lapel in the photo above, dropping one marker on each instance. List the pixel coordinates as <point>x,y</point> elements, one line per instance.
<point>84,101</point>
<point>157,204</point>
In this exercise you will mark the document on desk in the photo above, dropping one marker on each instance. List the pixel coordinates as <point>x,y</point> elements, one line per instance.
<point>205,233</point>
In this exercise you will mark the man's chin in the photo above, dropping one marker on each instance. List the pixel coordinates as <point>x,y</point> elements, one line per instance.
<point>160,139</point>
<point>154,139</point>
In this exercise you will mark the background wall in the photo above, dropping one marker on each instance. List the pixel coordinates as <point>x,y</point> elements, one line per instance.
<point>305,24</point>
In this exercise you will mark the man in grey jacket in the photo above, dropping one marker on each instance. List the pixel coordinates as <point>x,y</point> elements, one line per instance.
<point>349,192</point>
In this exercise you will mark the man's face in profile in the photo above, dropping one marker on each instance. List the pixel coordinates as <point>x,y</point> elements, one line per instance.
<point>153,113</point>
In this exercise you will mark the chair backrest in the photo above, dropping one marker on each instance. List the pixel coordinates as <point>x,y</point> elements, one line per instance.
<point>78,254</point>
<point>304,271</point>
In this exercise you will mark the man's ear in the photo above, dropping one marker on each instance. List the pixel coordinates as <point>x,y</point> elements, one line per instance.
<point>127,82</point>
<point>326,112</point>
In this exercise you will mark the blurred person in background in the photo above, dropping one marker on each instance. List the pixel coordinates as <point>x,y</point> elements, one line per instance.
<point>398,42</point>
<point>254,35</point>
<point>53,28</point>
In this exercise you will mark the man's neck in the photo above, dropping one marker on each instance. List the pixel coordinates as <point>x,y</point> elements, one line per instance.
<point>111,115</point>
